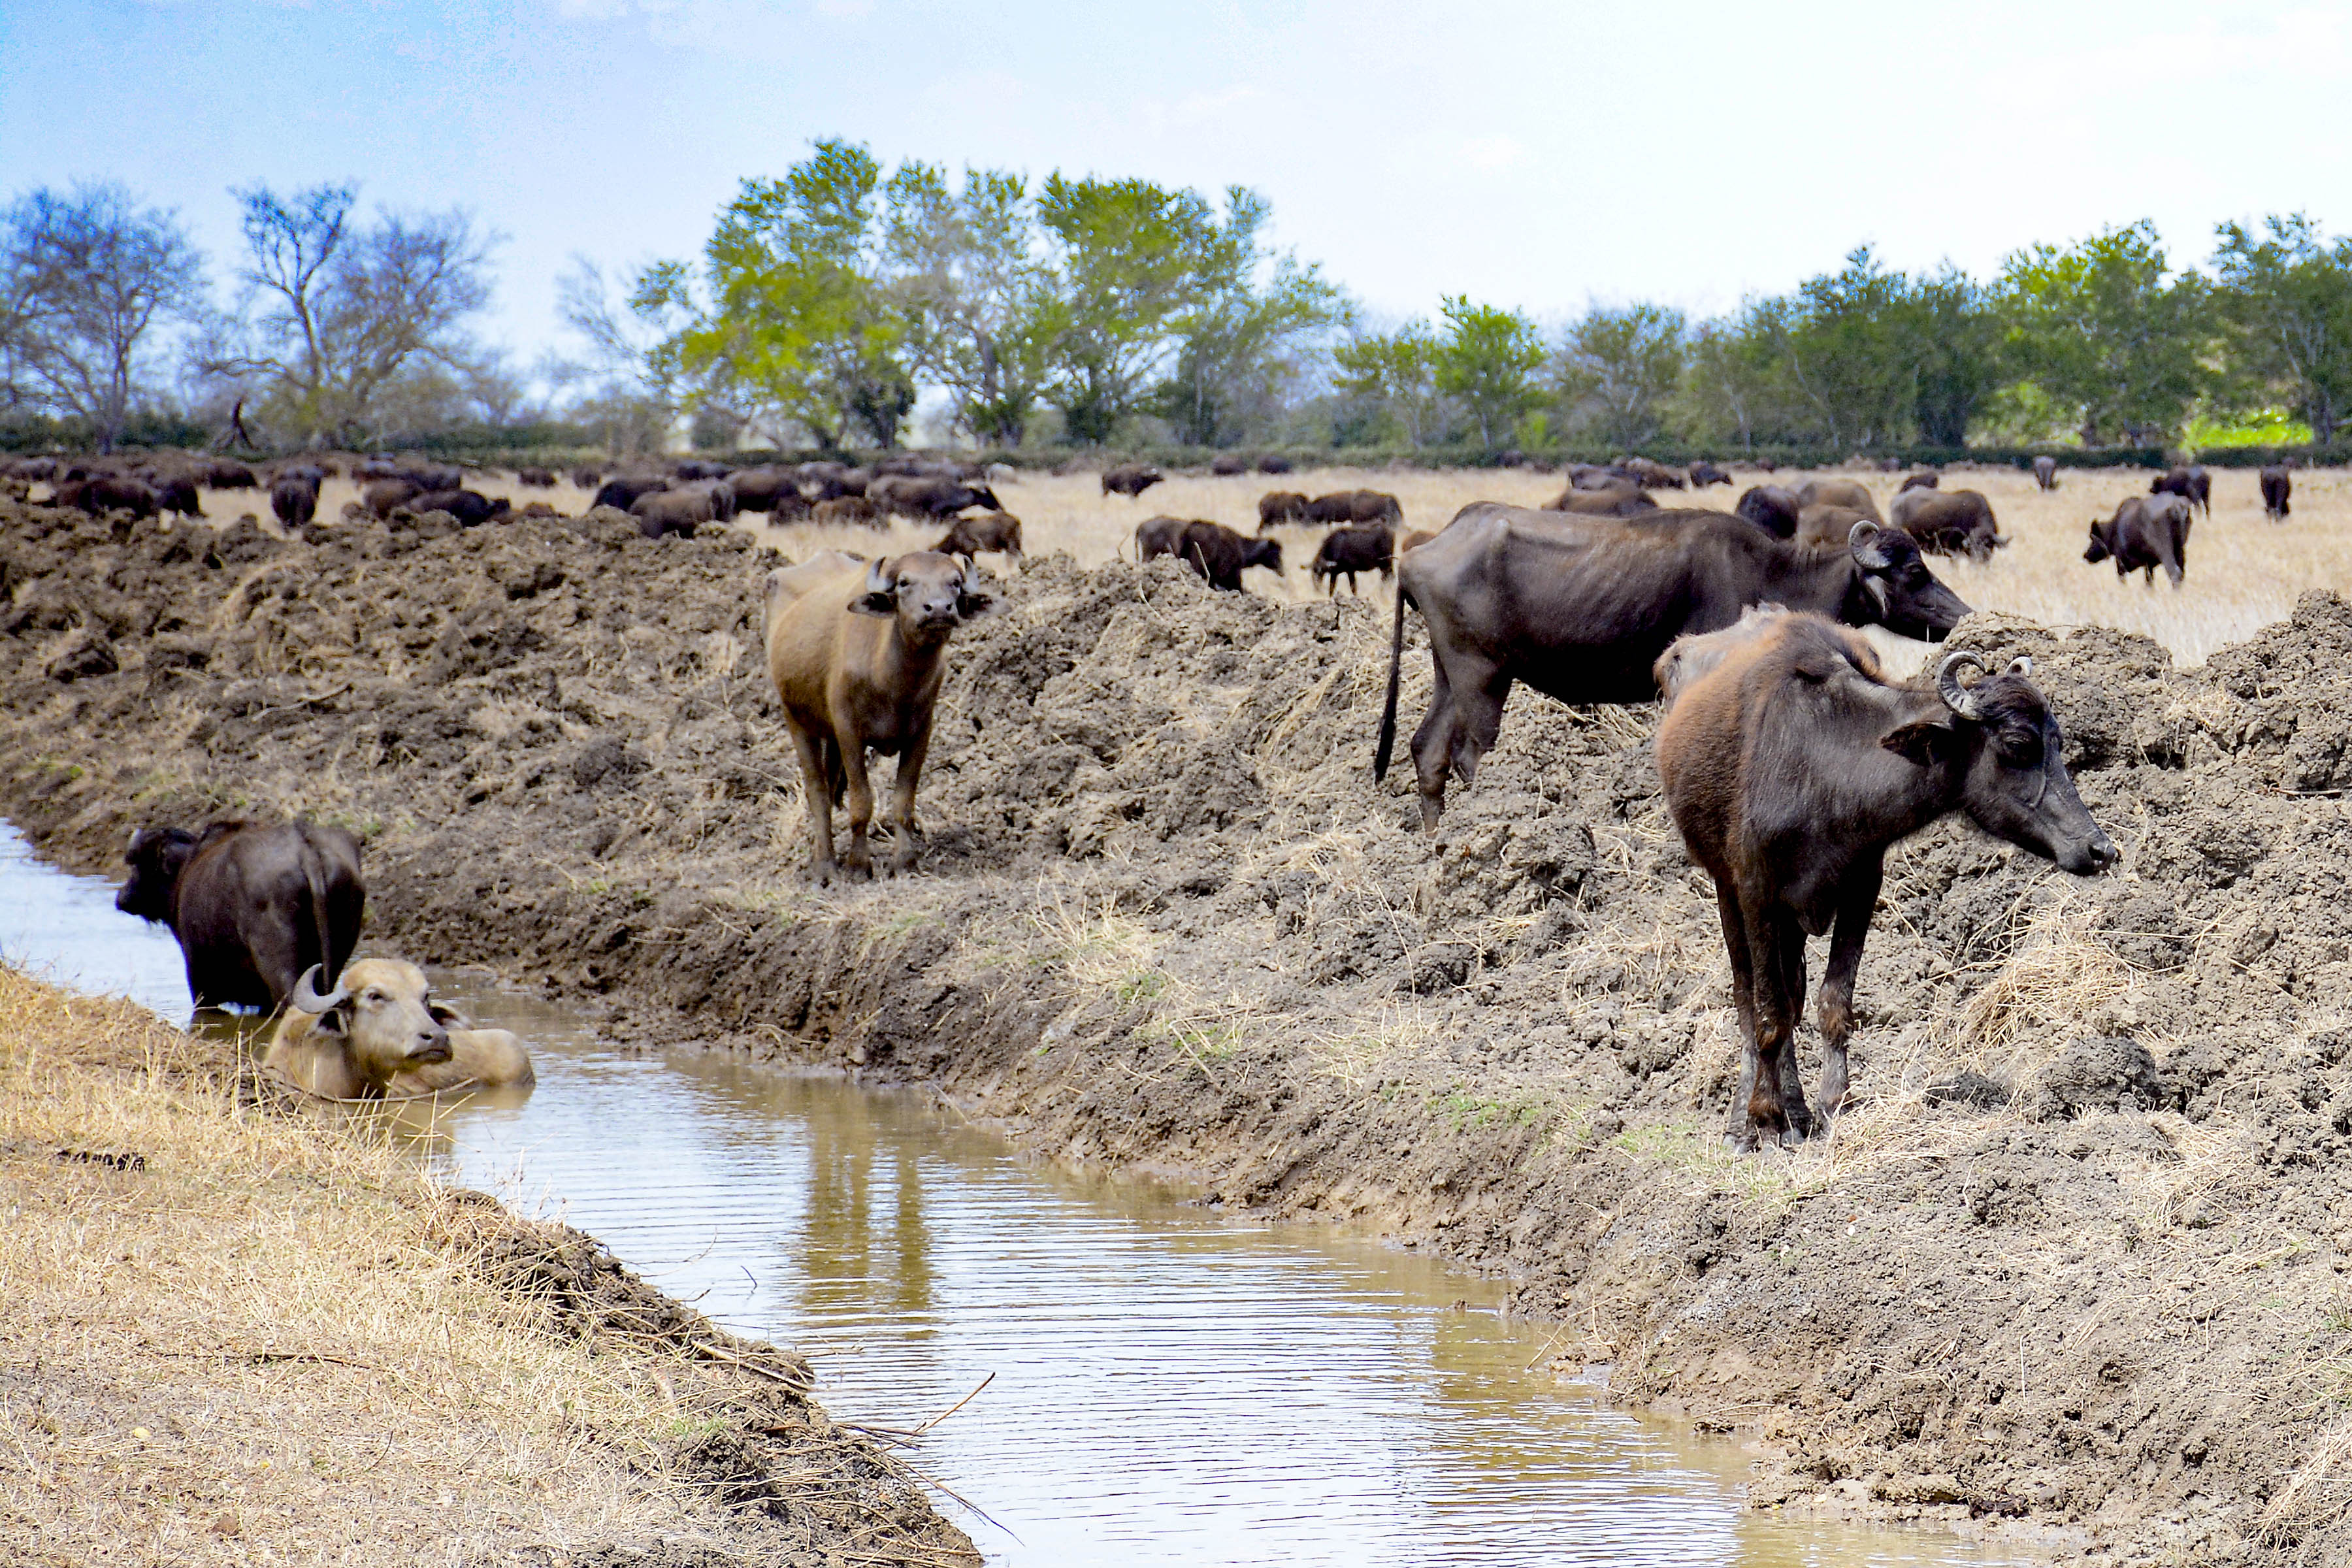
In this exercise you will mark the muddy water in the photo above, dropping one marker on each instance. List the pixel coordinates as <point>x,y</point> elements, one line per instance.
<point>1168,1386</point>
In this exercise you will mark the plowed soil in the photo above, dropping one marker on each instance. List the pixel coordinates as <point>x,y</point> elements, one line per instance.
<point>2074,1264</point>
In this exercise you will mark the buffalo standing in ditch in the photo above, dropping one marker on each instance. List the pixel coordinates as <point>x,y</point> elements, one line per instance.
<point>252,904</point>
<point>1581,608</point>
<point>1790,769</point>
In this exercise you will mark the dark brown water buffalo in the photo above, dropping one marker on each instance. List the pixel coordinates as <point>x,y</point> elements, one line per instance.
<point>1225,465</point>
<point>2277,487</point>
<point>848,511</point>
<point>700,468</point>
<point>585,476</point>
<point>253,904</point>
<point>765,488</point>
<point>382,495</point>
<point>1851,493</point>
<point>2147,531</point>
<point>1819,526</point>
<point>1602,503</point>
<point>1649,475</point>
<point>101,493</point>
<point>294,500</point>
<point>930,499</point>
<point>681,510</point>
<point>1790,768</point>
<point>991,530</point>
<point>1218,554</point>
<point>1592,477</point>
<point>1772,508</point>
<point>1280,506</point>
<point>1274,463</point>
<point>1343,507</point>
<point>2045,473</point>
<point>2193,485</point>
<point>831,481</point>
<point>222,475</point>
<point>1581,608</point>
<point>1414,538</point>
<point>1130,479</point>
<point>1949,522</point>
<point>1926,480</point>
<point>1359,547</point>
<point>1704,473</point>
<point>177,495</point>
<point>856,653</point>
<point>623,491</point>
<point>470,508</point>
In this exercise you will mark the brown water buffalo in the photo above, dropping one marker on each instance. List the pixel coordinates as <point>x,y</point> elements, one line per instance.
<point>856,653</point>
<point>1649,475</point>
<point>1691,655</point>
<point>1602,503</point>
<point>1704,473</point>
<point>1592,477</point>
<point>378,1035</point>
<point>470,508</point>
<point>1821,525</point>
<point>1790,768</point>
<point>1280,506</point>
<point>1949,522</point>
<point>664,512</point>
<point>177,495</point>
<point>932,500</point>
<point>1359,547</point>
<point>1850,493</point>
<point>294,501</point>
<point>1130,479</point>
<point>382,496</point>
<point>221,474</point>
<point>1274,463</point>
<point>991,530</point>
<point>1412,538</point>
<point>2045,473</point>
<point>2147,531</point>
<point>535,478</point>
<point>1218,554</point>
<point>585,476</point>
<point>1158,536</point>
<point>1343,507</point>
<point>831,481</point>
<point>1225,465</point>
<point>1926,480</point>
<point>2278,486</point>
<point>767,488</point>
<point>101,493</point>
<point>848,511</point>
<point>252,904</point>
<point>622,491</point>
<point>1772,508</point>
<point>2192,484</point>
<point>1581,608</point>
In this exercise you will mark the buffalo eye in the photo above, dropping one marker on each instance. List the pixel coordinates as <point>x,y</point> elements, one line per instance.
<point>2019,747</point>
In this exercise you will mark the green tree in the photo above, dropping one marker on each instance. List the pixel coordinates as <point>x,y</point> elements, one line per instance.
<point>1243,344</point>
<point>2103,331</point>
<point>1395,374</point>
<point>2287,300</point>
<point>1848,352</point>
<point>85,278</point>
<point>1130,258</point>
<point>1488,358</point>
<point>1952,340</point>
<point>1618,366</point>
<point>978,302</point>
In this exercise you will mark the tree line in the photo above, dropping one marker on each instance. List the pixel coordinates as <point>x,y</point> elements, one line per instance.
<point>828,300</point>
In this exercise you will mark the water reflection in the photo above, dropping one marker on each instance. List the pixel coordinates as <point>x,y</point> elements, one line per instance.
<point>1172,1386</point>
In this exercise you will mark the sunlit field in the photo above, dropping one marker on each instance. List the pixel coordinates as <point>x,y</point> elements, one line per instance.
<point>2243,571</point>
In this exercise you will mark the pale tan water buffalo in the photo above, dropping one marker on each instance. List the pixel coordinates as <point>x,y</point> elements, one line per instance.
<point>378,1035</point>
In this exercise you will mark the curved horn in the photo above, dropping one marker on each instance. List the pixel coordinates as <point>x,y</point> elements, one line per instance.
<point>878,579</point>
<point>1957,697</point>
<point>137,836</point>
<point>306,997</point>
<point>2020,666</point>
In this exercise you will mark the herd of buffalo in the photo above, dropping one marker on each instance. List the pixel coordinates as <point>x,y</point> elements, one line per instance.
<point>1791,761</point>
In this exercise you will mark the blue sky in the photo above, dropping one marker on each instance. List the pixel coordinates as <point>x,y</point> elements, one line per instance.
<point>1532,155</point>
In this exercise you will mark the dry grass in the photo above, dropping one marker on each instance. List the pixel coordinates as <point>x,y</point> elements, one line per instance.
<point>235,1336</point>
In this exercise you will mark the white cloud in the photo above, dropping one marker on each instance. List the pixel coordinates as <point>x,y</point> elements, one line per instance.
<point>1494,152</point>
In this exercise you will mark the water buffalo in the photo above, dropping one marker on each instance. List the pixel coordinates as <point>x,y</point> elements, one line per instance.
<point>1412,539</point>
<point>1218,554</point>
<point>1688,657</point>
<point>2277,487</point>
<point>1581,608</point>
<point>1926,480</point>
<point>1790,768</point>
<point>222,475</point>
<point>1592,476</point>
<point>766,489</point>
<point>1704,473</point>
<point>2147,531</point>
<point>252,904</point>
<point>381,497</point>
<point>1819,526</point>
<point>660,514</point>
<point>1355,506</point>
<point>1280,506</point>
<point>378,1035</point>
<point>1225,465</point>
<point>535,478</point>
<point>848,511</point>
<point>1772,508</point>
<point>700,468</point>
<point>1602,503</point>
<point>1851,493</point>
<point>470,508</point>
<point>1274,463</point>
<point>1359,547</point>
<point>1130,479</point>
<point>2193,485</point>
<point>991,530</point>
<point>856,653</point>
<point>294,501</point>
<point>622,493</point>
<point>178,495</point>
<point>1949,522</point>
<point>1649,474</point>
<point>2045,473</point>
<point>831,481</point>
<point>585,476</point>
<point>930,499</point>
<point>101,493</point>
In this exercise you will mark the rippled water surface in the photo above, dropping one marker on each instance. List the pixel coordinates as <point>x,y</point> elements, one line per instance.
<point>1169,1385</point>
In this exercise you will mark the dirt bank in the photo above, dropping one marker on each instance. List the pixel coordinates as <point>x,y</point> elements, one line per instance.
<point>2074,1262</point>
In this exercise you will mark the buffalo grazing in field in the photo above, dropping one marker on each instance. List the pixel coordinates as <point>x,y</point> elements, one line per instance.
<point>1850,493</point>
<point>1704,473</point>
<point>622,492</point>
<point>252,904</point>
<point>2045,473</point>
<point>2147,531</point>
<point>2278,486</point>
<point>1280,506</point>
<point>1358,547</point>
<point>1772,508</point>
<point>1130,479</point>
<point>1926,480</point>
<point>470,508</point>
<point>1602,503</point>
<point>930,499</point>
<point>1355,506</point>
<point>856,653</point>
<point>1949,522</point>
<point>1218,554</point>
<point>2192,484</point>
<point>997,531</point>
<point>1790,768</point>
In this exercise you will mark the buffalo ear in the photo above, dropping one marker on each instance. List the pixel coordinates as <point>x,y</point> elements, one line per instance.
<point>873,604</point>
<point>976,606</point>
<point>446,1015</point>
<point>1922,743</point>
<point>336,1020</point>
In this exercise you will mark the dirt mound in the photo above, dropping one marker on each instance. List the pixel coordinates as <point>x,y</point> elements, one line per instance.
<point>2074,1259</point>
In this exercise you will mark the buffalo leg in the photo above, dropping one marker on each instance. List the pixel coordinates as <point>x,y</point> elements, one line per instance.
<point>1431,745</point>
<point>1740,1131</point>
<point>1789,937</point>
<point>1836,1014</point>
<point>859,858</point>
<point>1478,722</point>
<point>817,794</point>
<point>1767,1108</point>
<point>902,798</point>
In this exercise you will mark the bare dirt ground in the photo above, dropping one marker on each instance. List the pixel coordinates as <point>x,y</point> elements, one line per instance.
<point>237,1333</point>
<point>2076,1262</point>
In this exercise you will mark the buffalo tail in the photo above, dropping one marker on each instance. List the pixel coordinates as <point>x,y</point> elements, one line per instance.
<point>1388,714</point>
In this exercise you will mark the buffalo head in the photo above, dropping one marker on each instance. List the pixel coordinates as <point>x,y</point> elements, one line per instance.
<point>929,593</point>
<point>384,1013</point>
<point>2102,541</point>
<point>156,861</point>
<point>1903,595</point>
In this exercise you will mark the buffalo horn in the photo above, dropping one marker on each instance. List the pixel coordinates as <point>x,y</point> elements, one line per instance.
<point>137,836</point>
<point>1957,697</point>
<point>877,581</point>
<point>2020,666</point>
<point>306,998</point>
